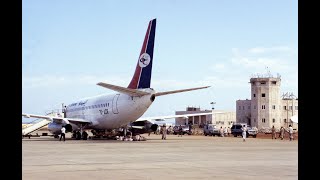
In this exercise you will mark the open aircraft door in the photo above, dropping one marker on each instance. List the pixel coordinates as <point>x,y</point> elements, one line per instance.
<point>114,104</point>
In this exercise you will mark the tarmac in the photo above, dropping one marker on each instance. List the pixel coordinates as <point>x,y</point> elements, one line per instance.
<point>187,157</point>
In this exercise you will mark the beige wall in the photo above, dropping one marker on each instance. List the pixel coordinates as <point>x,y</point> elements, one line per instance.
<point>267,108</point>
<point>220,117</point>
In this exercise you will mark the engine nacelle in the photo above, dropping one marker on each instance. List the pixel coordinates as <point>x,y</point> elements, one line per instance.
<point>154,127</point>
<point>147,127</point>
<point>55,128</point>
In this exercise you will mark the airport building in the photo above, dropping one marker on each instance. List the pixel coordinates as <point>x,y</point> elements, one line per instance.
<point>219,118</point>
<point>267,107</point>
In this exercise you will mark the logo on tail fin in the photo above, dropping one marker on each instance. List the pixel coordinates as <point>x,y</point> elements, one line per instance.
<point>144,60</point>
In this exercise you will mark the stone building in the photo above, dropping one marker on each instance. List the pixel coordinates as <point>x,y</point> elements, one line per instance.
<point>267,107</point>
<point>219,118</point>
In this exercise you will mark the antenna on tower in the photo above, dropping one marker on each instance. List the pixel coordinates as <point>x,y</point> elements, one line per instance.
<point>268,72</point>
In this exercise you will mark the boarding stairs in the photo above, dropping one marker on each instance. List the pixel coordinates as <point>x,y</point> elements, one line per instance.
<point>41,123</point>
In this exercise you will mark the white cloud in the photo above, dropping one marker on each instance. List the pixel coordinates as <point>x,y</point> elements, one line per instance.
<point>47,81</point>
<point>236,71</point>
<point>282,49</point>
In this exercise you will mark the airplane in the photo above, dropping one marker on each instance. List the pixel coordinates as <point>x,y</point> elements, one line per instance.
<point>107,112</point>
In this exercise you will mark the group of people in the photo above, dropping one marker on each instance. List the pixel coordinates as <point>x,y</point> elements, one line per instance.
<point>225,131</point>
<point>281,133</point>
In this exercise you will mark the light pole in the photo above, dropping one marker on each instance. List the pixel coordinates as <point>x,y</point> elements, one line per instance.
<point>212,104</point>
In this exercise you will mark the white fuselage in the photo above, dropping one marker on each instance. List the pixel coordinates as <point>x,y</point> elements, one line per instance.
<point>110,111</point>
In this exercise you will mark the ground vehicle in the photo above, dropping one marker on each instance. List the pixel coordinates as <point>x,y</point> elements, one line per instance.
<point>211,130</point>
<point>236,130</point>
<point>185,129</point>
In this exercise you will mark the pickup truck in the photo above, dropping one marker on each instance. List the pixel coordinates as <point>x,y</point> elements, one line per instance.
<point>211,130</point>
<point>237,131</point>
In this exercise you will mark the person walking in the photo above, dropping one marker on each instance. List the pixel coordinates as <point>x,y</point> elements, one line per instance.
<point>291,132</point>
<point>281,133</point>
<point>273,131</point>
<point>63,133</point>
<point>164,131</point>
<point>244,132</point>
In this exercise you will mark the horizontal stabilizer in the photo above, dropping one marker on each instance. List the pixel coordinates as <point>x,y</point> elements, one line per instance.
<point>178,91</point>
<point>131,92</point>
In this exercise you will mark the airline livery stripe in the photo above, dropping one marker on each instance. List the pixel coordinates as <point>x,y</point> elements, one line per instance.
<point>144,49</point>
<point>134,82</point>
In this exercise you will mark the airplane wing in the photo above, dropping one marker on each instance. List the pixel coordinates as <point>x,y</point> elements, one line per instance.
<point>57,119</point>
<point>161,118</point>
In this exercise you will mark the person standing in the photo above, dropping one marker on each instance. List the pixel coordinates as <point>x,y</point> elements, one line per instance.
<point>225,131</point>
<point>281,133</point>
<point>164,132</point>
<point>291,132</point>
<point>273,131</point>
<point>244,132</point>
<point>63,133</point>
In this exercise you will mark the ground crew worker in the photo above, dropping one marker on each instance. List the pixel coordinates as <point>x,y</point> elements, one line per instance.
<point>63,133</point>
<point>164,131</point>
<point>273,131</point>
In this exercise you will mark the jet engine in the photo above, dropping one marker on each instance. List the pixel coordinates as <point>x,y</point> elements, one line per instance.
<point>55,128</point>
<point>146,127</point>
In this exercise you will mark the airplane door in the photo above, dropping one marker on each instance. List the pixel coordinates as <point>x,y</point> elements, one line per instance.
<point>114,104</point>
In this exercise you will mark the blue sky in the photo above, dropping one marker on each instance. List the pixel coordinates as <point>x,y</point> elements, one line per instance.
<point>69,46</point>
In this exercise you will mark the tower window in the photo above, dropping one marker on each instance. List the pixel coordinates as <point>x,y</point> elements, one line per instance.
<point>273,106</point>
<point>263,95</point>
<point>263,120</point>
<point>290,107</point>
<point>254,95</point>
<point>273,120</point>
<point>285,120</point>
<point>274,82</point>
<point>262,82</point>
<point>263,107</point>
<point>243,107</point>
<point>285,107</point>
<point>239,107</point>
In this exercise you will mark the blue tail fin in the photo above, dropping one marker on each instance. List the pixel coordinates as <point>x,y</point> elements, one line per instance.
<point>142,75</point>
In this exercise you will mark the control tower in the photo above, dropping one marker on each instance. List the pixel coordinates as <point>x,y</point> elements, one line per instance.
<point>265,101</point>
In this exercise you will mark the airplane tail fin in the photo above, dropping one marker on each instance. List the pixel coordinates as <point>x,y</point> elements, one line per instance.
<point>142,75</point>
